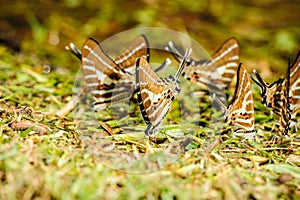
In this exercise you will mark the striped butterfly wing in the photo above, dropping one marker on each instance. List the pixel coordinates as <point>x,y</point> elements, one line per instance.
<point>101,74</point>
<point>284,103</point>
<point>153,104</point>
<point>240,112</point>
<point>275,96</point>
<point>294,92</point>
<point>111,80</point>
<point>283,96</point>
<point>271,94</point>
<point>219,70</point>
<point>225,61</point>
<point>139,47</point>
<point>155,94</point>
<point>290,97</point>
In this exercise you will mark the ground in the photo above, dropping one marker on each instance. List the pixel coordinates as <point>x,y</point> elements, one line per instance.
<point>43,155</point>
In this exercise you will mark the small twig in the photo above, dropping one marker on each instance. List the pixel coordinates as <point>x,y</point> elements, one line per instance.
<point>212,145</point>
<point>277,148</point>
<point>67,108</point>
<point>233,150</point>
<point>106,127</point>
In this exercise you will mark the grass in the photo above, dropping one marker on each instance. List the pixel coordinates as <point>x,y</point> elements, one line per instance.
<point>42,156</point>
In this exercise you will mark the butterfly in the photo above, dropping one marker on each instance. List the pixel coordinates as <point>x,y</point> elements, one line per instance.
<point>294,91</point>
<point>155,94</point>
<point>111,80</point>
<point>218,72</point>
<point>283,95</point>
<point>240,112</point>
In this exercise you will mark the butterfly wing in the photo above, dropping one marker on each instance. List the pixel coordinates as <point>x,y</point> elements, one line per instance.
<point>227,59</point>
<point>220,69</point>
<point>139,47</point>
<point>294,92</point>
<point>156,94</point>
<point>271,94</point>
<point>283,96</point>
<point>240,112</point>
<point>284,111</point>
<point>102,74</point>
<point>151,95</point>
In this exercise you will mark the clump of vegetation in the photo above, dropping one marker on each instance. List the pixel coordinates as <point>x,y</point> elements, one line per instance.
<point>42,155</point>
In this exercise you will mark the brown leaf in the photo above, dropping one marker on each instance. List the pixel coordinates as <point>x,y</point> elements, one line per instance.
<point>283,178</point>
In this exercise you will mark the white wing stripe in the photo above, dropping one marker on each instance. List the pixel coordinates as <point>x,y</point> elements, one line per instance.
<point>294,71</point>
<point>101,60</point>
<point>91,76</point>
<point>92,84</point>
<point>245,121</point>
<point>89,67</point>
<point>226,52</point>
<point>130,53</point>
<point>236,57</point>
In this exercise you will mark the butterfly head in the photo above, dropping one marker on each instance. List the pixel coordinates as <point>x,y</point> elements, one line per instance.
<point>175,79</point>
<point>191,73</point>
<point>267,90</point>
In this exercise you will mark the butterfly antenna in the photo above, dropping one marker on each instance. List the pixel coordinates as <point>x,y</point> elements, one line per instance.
<point>74,50</point>
<point>171,47</point>
<point>187,54</point>
<point>174,51</point>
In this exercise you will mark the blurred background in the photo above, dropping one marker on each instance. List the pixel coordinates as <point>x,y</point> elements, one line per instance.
<point>268,31</point>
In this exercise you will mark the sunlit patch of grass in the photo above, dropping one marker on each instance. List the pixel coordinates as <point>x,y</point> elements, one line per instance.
<point>183,160</point>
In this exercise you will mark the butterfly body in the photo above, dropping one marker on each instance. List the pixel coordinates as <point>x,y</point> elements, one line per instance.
<point>283,96</point>
<point>155,94</point>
